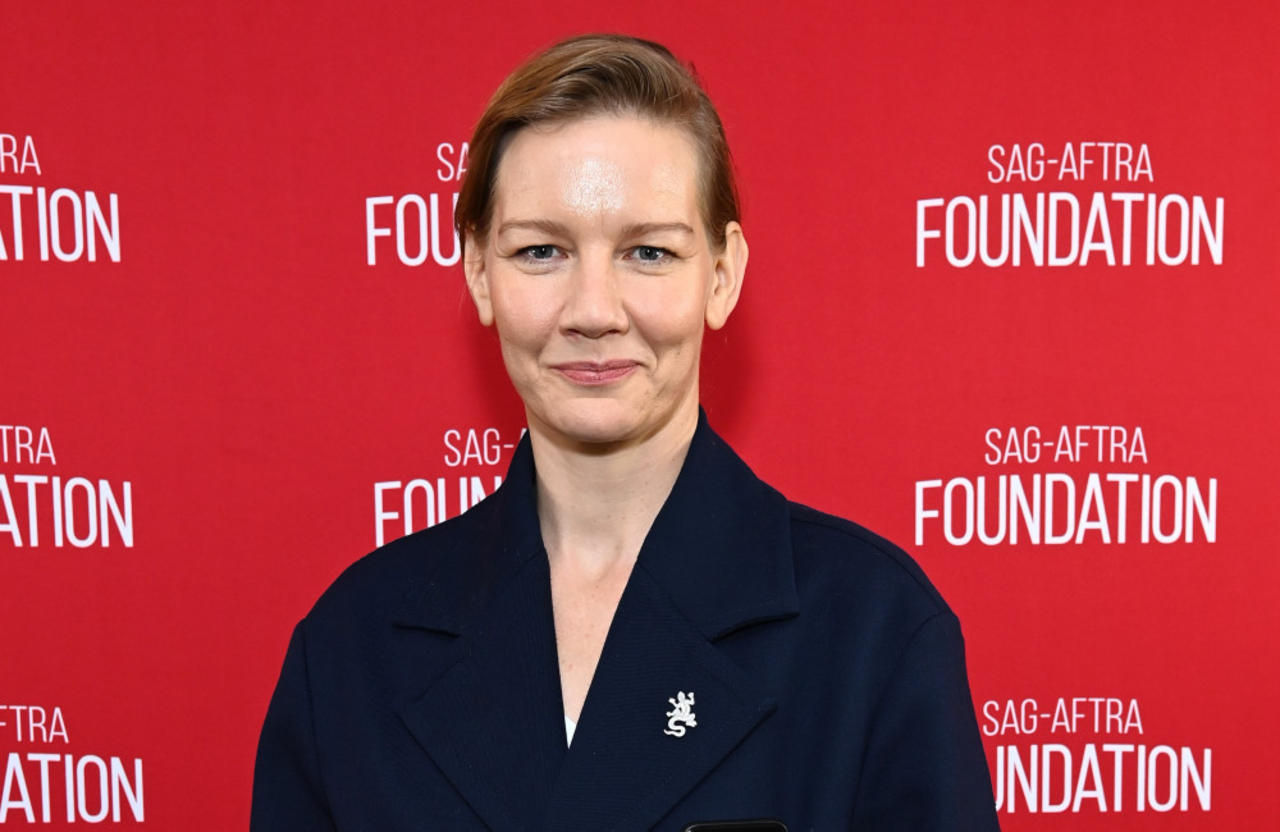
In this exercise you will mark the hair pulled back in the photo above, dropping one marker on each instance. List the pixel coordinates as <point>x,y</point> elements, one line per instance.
<point>592,75</point>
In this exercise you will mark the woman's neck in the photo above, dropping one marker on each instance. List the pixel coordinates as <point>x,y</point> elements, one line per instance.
<point>596,508</point>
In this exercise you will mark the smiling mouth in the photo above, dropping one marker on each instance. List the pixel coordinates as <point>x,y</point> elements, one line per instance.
<point>595,373</point>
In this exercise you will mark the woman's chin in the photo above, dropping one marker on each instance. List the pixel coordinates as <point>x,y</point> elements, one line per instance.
<point>600,422</point>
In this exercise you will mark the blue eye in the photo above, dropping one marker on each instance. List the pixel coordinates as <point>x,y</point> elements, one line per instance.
<point>651,254</point>
<point>543,252</point>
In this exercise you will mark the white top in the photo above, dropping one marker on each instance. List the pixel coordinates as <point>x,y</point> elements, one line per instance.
<point>569,727</point>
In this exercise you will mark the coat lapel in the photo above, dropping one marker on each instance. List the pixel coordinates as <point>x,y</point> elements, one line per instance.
<point>718,558</point>
<point>624,771</point>
<point>492,719</point>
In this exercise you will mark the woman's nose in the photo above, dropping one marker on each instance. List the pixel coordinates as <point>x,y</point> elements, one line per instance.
<point>594,306</point>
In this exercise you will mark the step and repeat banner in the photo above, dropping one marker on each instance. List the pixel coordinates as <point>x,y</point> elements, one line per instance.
<point>1012,303</point>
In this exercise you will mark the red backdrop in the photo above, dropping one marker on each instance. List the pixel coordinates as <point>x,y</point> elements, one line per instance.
<point>211,400</point>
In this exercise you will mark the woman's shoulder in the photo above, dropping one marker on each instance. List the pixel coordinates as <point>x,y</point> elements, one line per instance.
<point>838,558</point>
<point>384,580</point>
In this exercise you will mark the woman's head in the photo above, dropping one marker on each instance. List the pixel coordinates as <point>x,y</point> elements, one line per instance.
<point>596,75</point>
<point>595,242</point>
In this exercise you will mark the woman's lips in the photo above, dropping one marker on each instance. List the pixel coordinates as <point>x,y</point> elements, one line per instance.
<point>596,373</point>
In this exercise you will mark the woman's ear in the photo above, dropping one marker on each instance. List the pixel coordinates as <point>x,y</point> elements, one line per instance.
<point>477,279</point>
<point>730,268</point>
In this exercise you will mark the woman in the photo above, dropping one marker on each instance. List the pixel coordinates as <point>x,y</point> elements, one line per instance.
<point>633,632</point>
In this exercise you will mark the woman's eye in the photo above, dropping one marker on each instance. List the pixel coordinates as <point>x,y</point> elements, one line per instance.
<point>651,254</point>
<point>543,252</point>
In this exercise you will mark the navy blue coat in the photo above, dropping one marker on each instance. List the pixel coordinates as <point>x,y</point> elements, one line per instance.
<point>422,691</point>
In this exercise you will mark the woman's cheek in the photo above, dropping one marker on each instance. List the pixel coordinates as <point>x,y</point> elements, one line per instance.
<point>674,326</point>
<point>674,309</point>
<point>526,318</point>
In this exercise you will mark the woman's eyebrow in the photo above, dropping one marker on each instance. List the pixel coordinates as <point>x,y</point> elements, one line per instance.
<point>634,229</point>
<point>639,228</point>
<point>545,226</point>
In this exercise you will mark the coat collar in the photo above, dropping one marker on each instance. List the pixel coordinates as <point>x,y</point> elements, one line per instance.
<point>720,546</point>
<point>717,558</point>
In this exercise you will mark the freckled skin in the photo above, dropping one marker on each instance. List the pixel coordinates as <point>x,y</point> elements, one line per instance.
<point>566,275</point>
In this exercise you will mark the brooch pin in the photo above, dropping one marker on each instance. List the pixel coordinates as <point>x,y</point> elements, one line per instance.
<point>681,716</point>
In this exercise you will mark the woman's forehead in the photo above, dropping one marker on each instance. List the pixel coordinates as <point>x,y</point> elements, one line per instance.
<point>599,168</point>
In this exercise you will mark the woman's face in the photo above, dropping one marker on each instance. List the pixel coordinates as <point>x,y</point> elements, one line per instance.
<point>599,275</point>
